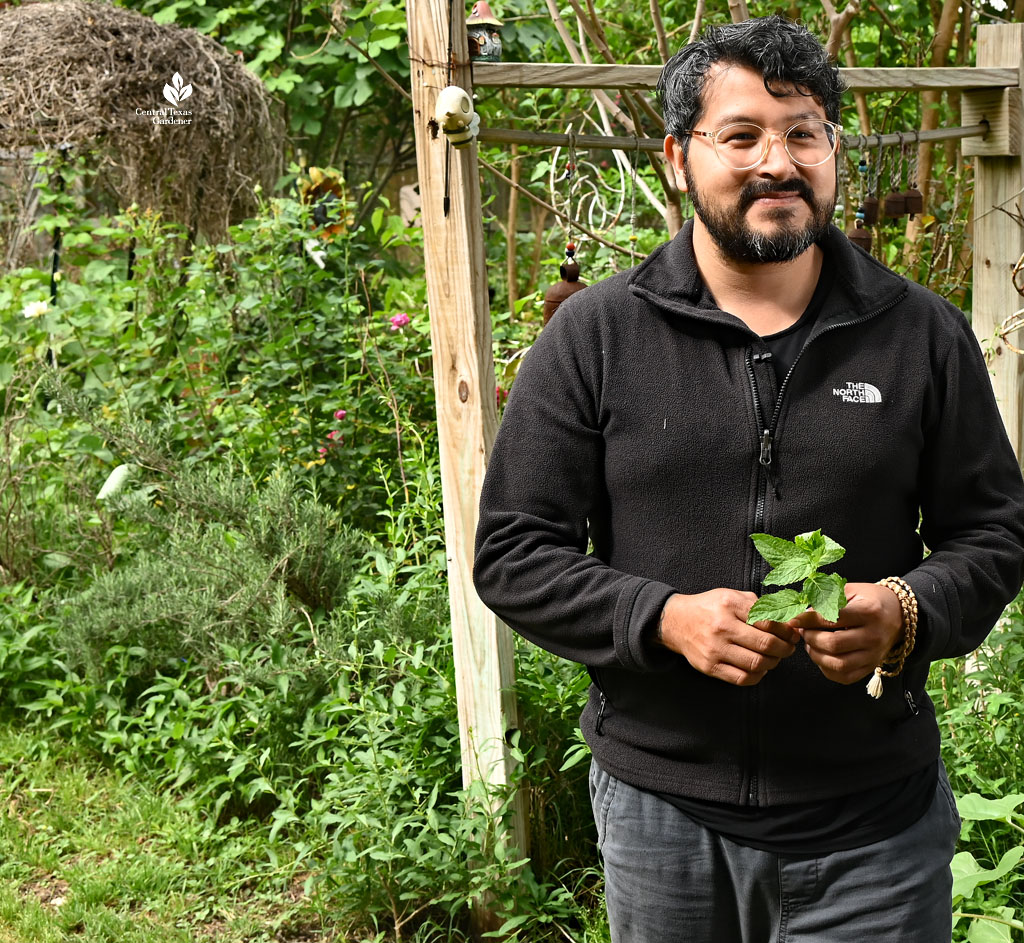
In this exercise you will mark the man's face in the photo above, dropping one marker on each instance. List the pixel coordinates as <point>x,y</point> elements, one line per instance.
<point>772,212</point>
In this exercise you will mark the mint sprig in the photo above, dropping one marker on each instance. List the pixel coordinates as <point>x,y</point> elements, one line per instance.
<point>794,561</point>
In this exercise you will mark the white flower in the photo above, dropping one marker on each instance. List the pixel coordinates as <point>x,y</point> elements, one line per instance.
<point>35,309</point>
<point>115,481</point>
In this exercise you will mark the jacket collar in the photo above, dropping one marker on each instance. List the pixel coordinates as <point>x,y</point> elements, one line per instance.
<point>669,279</point>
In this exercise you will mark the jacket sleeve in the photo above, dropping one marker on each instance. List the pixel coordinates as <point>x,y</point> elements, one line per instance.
<point>972,507</point>
<point>543,483</point>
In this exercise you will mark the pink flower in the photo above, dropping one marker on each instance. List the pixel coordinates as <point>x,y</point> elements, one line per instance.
<point>340,414</point>
<point>500,394</point>
<point>334,434</point>
<point>322,450</point>
<point>399,321</point>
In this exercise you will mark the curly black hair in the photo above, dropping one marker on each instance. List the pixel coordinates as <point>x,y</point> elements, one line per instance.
<point>785,53</point>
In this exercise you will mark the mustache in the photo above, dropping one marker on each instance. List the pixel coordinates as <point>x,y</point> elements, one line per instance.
<point>758,188</point>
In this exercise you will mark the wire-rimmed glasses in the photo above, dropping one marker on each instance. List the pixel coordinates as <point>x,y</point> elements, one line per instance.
<point>743,146</point>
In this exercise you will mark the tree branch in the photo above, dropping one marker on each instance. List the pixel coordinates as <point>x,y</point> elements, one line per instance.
<point>574,54</point>
<point>738,11</point>
<point>698,16</point>
<point>838,23</point>
<point>659,31</point>
<point>861,100</point>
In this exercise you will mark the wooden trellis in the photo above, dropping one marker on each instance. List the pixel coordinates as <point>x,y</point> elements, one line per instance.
<point>461,325</point>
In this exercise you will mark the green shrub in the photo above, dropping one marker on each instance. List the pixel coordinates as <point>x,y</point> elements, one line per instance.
<point>980,703</point>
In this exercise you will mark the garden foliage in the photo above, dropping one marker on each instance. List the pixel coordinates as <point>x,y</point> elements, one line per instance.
<point>223,563</point>
<point>222,567</point>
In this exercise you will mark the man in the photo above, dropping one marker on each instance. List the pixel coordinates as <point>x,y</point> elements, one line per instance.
<point>757,374</point>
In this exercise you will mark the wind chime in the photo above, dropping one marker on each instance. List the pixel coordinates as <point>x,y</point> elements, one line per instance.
<point>867,210</point>
<point>908,202</point>
<point>902,199</point>
<point>570,268</point>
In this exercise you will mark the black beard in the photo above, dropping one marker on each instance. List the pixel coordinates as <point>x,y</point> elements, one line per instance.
<point>739,242</point>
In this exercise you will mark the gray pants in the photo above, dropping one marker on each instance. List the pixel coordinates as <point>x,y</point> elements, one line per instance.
<point>669,880</point>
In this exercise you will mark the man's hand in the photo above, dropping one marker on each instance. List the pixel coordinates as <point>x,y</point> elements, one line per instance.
<point>871,623</point>
<point>710,631</point>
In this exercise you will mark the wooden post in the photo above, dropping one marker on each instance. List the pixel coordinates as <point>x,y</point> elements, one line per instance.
<point>998,236</point>
<point>460,331</point>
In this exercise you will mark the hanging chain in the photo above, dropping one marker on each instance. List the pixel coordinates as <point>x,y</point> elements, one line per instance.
<point>632,201</point>
<point>570,177</point>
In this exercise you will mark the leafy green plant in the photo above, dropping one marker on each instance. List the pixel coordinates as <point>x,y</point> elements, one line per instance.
<point>794,561</point>
<point>979,704</point>
<point>991,920</point>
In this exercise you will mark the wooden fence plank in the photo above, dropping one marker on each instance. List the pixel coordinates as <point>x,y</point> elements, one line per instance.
<point>999,240</point>
<point>460,329</point>
<point>568,75</point>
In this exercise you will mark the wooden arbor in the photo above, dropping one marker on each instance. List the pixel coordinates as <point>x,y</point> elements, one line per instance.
<point>460,317</point>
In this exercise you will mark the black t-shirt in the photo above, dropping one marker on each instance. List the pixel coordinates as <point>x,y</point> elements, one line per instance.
<point>814,828</point>
<point>785,346</point>
<point>819,828</point>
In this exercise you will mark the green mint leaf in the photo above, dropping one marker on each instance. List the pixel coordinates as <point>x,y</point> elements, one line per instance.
<point>776,550</point>
<point>791,562</point>
<point>813,544</point>
<point>792,571</point>
<point>824,593</point>
<point>779,607</point>
<point>833,552</point>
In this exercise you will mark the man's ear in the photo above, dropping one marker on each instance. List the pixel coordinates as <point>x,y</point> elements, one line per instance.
<point>674,155</point>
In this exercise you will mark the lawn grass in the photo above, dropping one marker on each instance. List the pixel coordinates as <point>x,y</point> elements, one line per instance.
<point>88,854</point>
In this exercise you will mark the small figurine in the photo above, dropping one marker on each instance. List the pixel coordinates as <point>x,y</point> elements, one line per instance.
<point>569,285</point>
<point>454,112</point>
<point>483,33</point>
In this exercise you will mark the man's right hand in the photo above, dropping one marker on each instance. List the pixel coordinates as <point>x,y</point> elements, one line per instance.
<point>710,631</point>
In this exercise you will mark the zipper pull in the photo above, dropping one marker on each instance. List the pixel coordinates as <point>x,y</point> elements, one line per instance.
<point>766,448</point>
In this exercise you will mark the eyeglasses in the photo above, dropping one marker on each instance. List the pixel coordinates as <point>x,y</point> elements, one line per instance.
<point>744,146</point>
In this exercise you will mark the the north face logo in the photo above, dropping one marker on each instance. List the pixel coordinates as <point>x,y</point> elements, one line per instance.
<point>858,393</point>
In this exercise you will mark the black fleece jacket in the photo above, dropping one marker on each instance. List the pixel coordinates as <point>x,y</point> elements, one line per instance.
<point>636,422</point>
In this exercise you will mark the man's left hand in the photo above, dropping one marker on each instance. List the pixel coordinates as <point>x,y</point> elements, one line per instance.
<point>869,625</point>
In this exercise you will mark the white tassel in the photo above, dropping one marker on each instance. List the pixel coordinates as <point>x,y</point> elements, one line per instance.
<point>875,684</point>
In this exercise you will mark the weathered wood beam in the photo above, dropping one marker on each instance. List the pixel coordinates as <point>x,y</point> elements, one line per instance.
<point>460,334</point>
<point>852,142</point>
<point>568,75</point>
<point>999,237</point>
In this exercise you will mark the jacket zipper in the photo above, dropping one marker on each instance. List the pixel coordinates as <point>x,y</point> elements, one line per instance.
<point>765,442</point>
<point>601,704</point>
<point>764,460</point>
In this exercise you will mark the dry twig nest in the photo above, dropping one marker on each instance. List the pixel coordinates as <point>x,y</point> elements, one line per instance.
<point>90,77</point>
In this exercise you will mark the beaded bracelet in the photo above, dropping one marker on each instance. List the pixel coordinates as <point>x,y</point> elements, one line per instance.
<point>899,653</point>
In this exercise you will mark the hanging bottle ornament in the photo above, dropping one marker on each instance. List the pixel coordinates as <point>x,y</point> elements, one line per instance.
<point>869,207</point>
<point>913,197</point>
<point>896,201</point>
<point>914,200</point>
<point>859,234</point>
<point>569,285</point>
<point>895,205</point>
